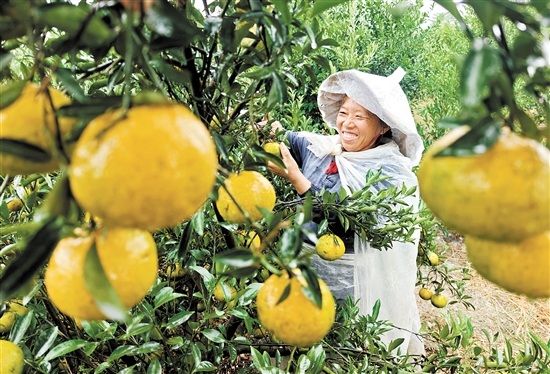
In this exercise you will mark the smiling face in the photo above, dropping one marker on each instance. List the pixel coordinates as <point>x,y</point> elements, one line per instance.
<point>358,127</point>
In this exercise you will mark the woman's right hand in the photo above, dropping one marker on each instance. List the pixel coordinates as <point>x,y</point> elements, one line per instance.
<point>292,173</point>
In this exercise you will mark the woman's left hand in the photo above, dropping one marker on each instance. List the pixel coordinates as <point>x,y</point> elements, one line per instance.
<point>292,173</point>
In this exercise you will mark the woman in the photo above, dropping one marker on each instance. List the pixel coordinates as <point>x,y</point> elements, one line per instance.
<point>376,131</point>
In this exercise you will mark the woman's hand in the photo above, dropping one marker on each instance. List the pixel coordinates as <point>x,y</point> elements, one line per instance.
<point>292,172</point>
<point>275,126</point>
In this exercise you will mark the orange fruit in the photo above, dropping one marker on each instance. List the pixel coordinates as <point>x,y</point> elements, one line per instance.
<point>425,293</point>
<point>522,268</point>
<point>296,320</point>
<point>251,190</point>
<point>478,195</point>
<point>11,358</point>
<point>152,169</point>
<point>438,300</point>
<point>330,247</point>
<point>30,119</point>
<point>128,257</point>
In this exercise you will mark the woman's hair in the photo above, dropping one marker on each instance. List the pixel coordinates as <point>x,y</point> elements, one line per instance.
<point>383,139</point>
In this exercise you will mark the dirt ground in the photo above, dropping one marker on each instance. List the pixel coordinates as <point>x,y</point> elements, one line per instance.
<point>496,310</point>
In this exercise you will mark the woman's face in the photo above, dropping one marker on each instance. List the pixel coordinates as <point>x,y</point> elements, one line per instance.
<point>358,127</point>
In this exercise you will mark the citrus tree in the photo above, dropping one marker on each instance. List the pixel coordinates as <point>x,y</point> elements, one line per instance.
<point>139,222</point>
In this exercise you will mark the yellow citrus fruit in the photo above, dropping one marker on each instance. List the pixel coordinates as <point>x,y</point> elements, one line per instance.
<point>8,317</point>
<point>425,293</point>
<point>433,258</point>
<point>330,247</point>
<point>128,257</point>
<point>522,268</point>
<point>15,205</point>
<point>251,190</point>
<point>273,148</point>
<point>296,320</point>
<point>438,300</point>
<point>11,358</point>
<point>150,170</point>
<point>219,295</point>
<point>30,119</point>
<point>251,240</point>
<point>479,195</point>
<point>177,272</point>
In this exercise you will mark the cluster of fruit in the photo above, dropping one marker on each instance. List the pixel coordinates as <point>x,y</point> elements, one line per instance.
<point>499,201</point>
<point>122,161</point>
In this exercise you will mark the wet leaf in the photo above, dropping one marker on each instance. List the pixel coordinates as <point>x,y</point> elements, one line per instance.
<point>67,80</point>
<point>100,287</point>
<point>26,151</point>
<point>313,290</point>
<point>66,347</point>
<point>480,68</point>
<point>475,142</point>
<point>183,244</point>
<point>238,258</point>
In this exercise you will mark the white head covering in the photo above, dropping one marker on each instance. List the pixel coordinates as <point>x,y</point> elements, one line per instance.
<point>382,96</point>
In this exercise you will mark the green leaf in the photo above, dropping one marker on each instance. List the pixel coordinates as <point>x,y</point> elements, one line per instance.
<point>317,356</point>
<point>277,93</point>
<point>303,365</point>
<point>291,242</point>
<point>69,82</point>
<point>450,6</point>
<point>179,319</point>
<point>395,343</point>
<point>183,244</point>
<point>123,350</point>
<point>170,23</point>
<point>100,288</point>
<point>322,61</point>
<point>34,255</point>
<point>24,150</point>
<point>66,347</point>
<point>149,347</point>
<point>165,295</point>
<point>475,142</point>
<point>313,290</point>
<point>207,277</point>
<point>480,68</point>
<point>376,309</point>
<point>488,13</point>
<point>182,76</point>
<point>9,93</point>
<point>205,366</point>
<point>21,326</point>
<point>213,335</point>
<point>154,367</point>
<point>57,203</point>
<point>45,340</point>
<point>282,7</point>
<point>285,294</point>
<point>76,22</point>
<point>257,358</point>
<point>243,272</point>
<point>322,228</point>
<point>238,258</point>
<point>322,5</point>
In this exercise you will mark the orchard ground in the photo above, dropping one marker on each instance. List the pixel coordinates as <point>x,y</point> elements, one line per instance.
<point>496,310</point>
